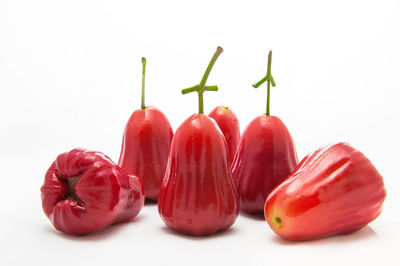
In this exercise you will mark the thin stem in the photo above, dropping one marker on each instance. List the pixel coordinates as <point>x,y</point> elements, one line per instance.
<point>268,93</point>
<point>201,87</point>
<point>197,88</point>
<point>201,102</point>
<point>273,81</point>
<point>210,66</point>
<point>270,81</point>
<point>211,88</point>
<point>191,89</point>
<point>264,79</point>
<point>143,83</point>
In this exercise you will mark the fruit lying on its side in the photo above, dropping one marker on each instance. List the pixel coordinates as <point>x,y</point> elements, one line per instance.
<point>84,191</point>
<point>335,190</point>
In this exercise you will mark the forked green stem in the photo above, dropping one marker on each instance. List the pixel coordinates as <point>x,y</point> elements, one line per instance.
<point>269,79</point>
<point>143,83</point>
<point>201,87</point>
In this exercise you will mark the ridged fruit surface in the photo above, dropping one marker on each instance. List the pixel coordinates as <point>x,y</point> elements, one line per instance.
<point>335,190</point>
<point>229,125</point>
<point>84,191</point>
<point>145,148</point>
<point>198,196</point>
<point>265,157</point>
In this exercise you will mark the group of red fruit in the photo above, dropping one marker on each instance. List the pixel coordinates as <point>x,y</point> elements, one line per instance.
<point>206,172</point>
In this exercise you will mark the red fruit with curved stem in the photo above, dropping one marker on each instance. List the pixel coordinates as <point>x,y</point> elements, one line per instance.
<point>335,190</point>
<point>229,125</point>
<point>198,196</point>
<point>84,191</point>
<point>265,157</point>
<point>146,144</point>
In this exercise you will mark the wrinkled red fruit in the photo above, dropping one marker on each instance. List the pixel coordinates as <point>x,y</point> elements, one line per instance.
<point>145,148</point>
<point>84,191</point>
<point>335,190</point>
<point>198,196</point>
<point>229,125</point>
<point>265,157</point>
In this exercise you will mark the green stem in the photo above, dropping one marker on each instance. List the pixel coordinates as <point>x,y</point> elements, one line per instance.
<point>270,81</point>
<point>201,102</point>
<point>211,88</point>
<point>210,66</point>
<point>201,87</point>
<point>197,88</point>
<point>143,83</point>
<point>191,89</point>
<point>264,79</point>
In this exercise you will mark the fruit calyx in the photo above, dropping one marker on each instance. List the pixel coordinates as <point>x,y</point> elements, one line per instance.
<point>71,191</point>
<point>278,221</point>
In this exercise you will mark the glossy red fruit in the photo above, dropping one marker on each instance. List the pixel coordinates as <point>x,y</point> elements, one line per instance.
<point>145,146</point>
<point>265,157</point>
<point>335,190</point>
<point>229,125</point>
<point>84,191</point>
<point>198,196</point>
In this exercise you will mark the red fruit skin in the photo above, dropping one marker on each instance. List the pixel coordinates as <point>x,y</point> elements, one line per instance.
<point>106,193</point>
<point>198,196</point>
<point>229,125</point>
<point>335,190</point>
<point>145,148</point>
<point>265,157</point>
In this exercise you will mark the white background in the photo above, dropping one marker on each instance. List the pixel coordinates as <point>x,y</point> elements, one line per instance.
<point>70,77</point>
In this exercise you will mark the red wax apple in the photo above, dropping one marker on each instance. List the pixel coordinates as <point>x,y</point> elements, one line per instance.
<point>229,125</point>
<point>146,144</point>
<point>84,191</point>
<point>265,157</point>
<point>335,190</point>
<point>198,196</point>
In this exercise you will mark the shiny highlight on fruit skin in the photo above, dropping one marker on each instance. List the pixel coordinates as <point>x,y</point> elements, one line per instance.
<point>84,191</point>
<point>146,143</point>
<point>335,190</point>
<point>198,196</point>
<point>145,147</point>
<point>266,155</point>
<point>229,125</point>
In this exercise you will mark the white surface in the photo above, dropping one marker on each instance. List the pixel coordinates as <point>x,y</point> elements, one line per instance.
<point>70,77</point>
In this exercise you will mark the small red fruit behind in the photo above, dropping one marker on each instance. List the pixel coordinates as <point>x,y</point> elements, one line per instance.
<point>229,125</point>
<point>198,196</point>
<point>335,190</point>
<point>146,144</point>
<point>265,157</point>
<point>84,191</point>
